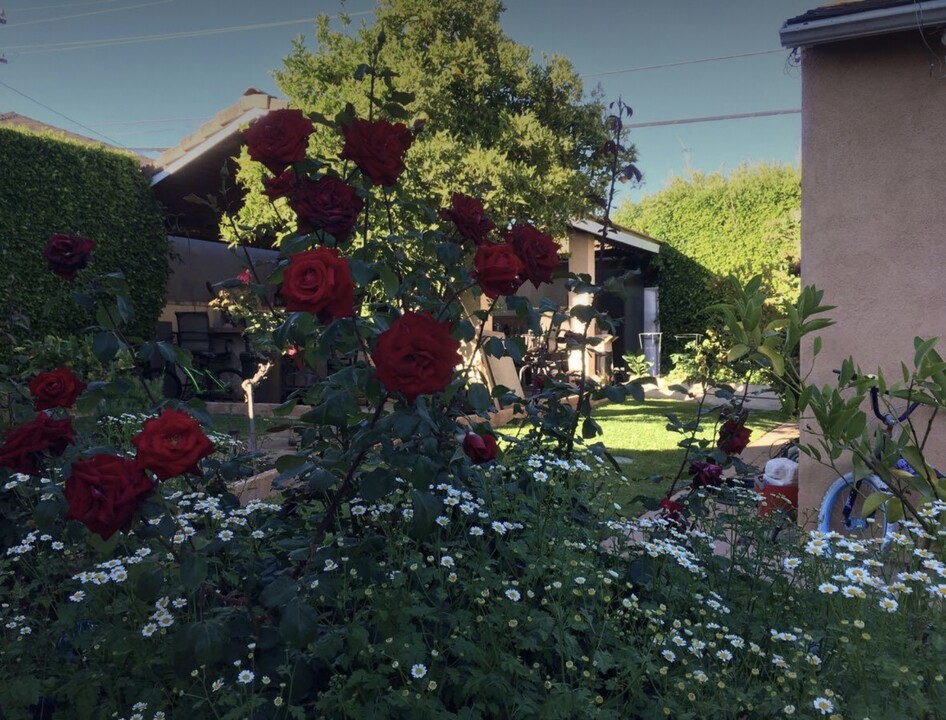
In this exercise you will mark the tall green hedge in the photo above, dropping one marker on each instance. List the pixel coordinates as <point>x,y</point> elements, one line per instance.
<point>744,224</point>
<point>50,185</point>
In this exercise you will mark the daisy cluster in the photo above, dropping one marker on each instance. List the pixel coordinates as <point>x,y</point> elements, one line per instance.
<point>859,575</point>
<point>26,482</point>
<point>110,571</point>
<point>14,623</point>
<point>657,537</point>
<point>139,713</point>
<point>121,428</point>
<point>162,616</point>
<point>200,510</point>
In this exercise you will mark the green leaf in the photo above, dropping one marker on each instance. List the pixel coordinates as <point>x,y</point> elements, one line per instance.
<point>193,571</point>
<point>479,398</point>
<point>207,641</point>
<point>300,623</point>
<point>279,592</point>
<point>775,360</point>
<point>105,345</point>
<point>736,352</point>
<point>874,501</point>
<point>377,484</point>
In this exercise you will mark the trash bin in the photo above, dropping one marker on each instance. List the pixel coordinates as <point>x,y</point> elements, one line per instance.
<point>779,486</point>
<point>650,346</point>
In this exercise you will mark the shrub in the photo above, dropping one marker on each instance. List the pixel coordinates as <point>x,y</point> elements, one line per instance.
<point>50,185</point>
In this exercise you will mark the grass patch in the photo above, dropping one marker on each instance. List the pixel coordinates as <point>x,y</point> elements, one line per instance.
<point>638,432</point>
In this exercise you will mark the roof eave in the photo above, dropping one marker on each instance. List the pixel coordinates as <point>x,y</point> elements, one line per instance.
<point>208,144</point>
<point>882,21</point>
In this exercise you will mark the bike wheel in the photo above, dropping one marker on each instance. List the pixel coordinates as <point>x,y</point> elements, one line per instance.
<point>229,386</point>
<point>845,493</point>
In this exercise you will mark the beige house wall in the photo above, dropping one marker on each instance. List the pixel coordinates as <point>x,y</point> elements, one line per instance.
<point>873,207</point>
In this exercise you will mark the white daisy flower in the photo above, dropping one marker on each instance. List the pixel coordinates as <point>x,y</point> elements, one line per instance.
<point>418,670</point>
<point>823,705</point>
<point>513,595</point>
<point>245,677</point>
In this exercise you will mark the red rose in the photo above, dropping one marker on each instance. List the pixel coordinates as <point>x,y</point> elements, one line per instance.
<point>705,474</point>
<point>467,214</point>
<point>498,269</point>
<point>171,444</point>
<point>104,492</point>
<point>319,282</point>
<point>66,255</point>
<point>480,448</point>
<point>327,204</point>
<point>416,355</point>
<point>733,437</point>
<point>377,148</point>
<point>538,252</point>
<point>279,139</point>
<point>244,276</point>
<point>280,186</point>
<point>22,445</point>
<point>56,388</point>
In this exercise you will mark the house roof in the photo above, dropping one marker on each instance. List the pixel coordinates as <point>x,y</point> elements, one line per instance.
<point>618,235</point>
<point>861,18</point>
<point>220,137</point>
<point>193,166</point>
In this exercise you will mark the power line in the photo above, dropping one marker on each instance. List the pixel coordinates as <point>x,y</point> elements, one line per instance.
<point>89,14</point>
<point>714,118</point>
<point>56,7</point>
<point>684,62</point>
<point>134,40</point>
<point>162,121</point>
<point>65,117</point>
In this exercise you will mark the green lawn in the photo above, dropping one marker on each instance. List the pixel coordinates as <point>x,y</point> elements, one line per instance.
<point>638,432</point>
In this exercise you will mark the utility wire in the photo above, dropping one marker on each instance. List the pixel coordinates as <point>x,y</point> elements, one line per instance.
<point>684,62</point>
<point>162,121</point>
<point>89,14</point>
<point>56,7</point>
<point>65,117</point>
<point>714,118</point>
<point>134,40</point>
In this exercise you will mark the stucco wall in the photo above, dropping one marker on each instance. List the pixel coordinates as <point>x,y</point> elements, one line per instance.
<point>873,209</point>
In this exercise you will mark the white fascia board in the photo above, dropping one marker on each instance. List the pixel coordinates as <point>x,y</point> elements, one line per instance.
<point>910,16</point>
<point>209,143</point>
<point>618,236</point>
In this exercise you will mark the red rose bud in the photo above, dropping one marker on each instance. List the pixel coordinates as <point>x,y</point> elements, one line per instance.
<point>468,215</point>
<point>56,388</point>
<point>480,448</point>
<point>377,148</point>
<point>66,255</point>
<point>327,204</point>
<point>705,474</point>
<point>733,437</point>
<point>498,270</point>
<point>23,445</point>
<point>538,252</point>
<point>244,276</point>
<point>416,355</point>
<point>279,139</point>
<point>104,492</point>
<point>319,282</point>
<point>280,186</point>
<point>171,444</point>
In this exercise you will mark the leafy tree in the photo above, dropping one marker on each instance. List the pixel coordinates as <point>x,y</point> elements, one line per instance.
<point>744,224</point>
<point>518,134</point>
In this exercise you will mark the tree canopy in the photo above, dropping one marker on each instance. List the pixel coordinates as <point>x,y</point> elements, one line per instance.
<point>744,224</point>
<point>520,135</point>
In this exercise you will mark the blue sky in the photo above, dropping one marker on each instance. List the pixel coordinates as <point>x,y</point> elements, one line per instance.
<point>108,65</point>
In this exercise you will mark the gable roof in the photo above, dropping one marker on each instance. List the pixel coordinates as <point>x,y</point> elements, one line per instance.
<point>861,18</point>
<point>618,235</point>
<point>217,139</point>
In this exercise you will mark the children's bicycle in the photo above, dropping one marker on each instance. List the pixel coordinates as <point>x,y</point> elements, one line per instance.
<point>842,509</point>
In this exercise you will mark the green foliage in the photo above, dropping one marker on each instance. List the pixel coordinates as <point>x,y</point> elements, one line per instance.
<point>50,185</point>
<point>516,133</point>
<point>745,224</point>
